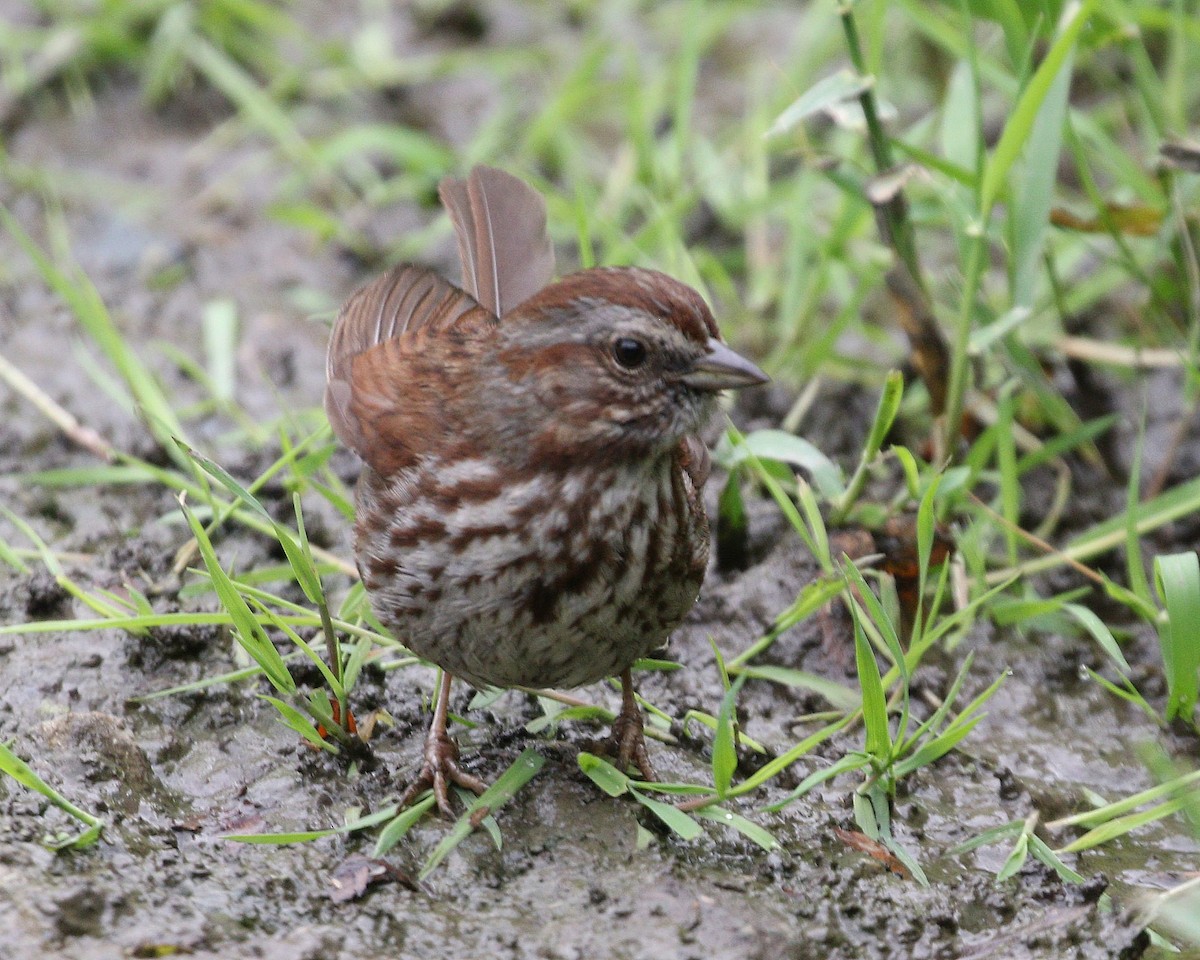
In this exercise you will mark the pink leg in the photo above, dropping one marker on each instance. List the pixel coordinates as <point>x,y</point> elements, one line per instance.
<point>441,759</point>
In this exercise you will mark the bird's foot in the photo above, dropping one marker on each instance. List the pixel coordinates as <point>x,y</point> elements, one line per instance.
<point>629,733</point>
<point>439,771</point>
<point>628,742</point>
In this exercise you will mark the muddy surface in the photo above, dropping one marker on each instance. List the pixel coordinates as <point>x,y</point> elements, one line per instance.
<point>143,192</point>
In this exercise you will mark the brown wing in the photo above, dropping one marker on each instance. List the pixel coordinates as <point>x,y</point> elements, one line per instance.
<point>392,307</point>
<point>500,224</point>
<point>408,399</point>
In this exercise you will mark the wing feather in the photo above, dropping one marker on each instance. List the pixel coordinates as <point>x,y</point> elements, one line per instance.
<point>387,336</point>
<point>404,300</point>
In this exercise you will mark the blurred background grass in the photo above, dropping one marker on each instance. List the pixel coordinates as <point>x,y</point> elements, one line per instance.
<point>647,125</point>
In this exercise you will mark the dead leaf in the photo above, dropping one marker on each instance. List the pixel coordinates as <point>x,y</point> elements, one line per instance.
<point>350,726</point>
<point>872,848</point>
<point>1135,219</point>
<point>351,878</point>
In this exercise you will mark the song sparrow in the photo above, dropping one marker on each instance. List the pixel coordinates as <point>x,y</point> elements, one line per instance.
<point>529,510</point>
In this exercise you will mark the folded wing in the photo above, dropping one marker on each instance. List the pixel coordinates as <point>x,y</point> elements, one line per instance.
<point>390,335</point>
<point>404,300</point>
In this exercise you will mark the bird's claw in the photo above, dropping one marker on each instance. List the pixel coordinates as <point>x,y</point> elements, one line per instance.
<point>439,770</point>
<point>631,746</point>
<point>628,742</point>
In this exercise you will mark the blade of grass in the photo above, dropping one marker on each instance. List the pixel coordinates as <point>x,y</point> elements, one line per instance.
<point>724,752</point>
<point>1177,577</point>
<point>89,310</point>
<point>677,821</point>
<point>874,709</point>
<point>20,771</point>
<point>305,836</point>
<point>1189,782</point>
<point>885,416</point>
<point>395,831</point>
<point>248,630</point>
<point>491,800</point>
<point>751,831</point>
<point>1020,124</point>
<point>1033,195</point>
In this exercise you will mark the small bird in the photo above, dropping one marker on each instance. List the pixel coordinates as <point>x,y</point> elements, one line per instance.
<point>529,511</point>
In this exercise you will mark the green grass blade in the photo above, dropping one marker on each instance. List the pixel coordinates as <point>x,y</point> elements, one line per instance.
<point>874,700</point>
<point>1033,195</point>
<point>848,764</point>
<point>1120,826</point>
<point>813,596</point>
<point>1177,577</point>
<point>254,103</point>
<point>603,774</point>
<point>298,558</point>
<point>491,800</point>
<point>249,631</point>
<point>786,448</point>
<point>297,721</point>
<point>9,555</point>
<point>45,554</point>
<point>219,323</point>
<point>20,771</point>
<point>678,822</point>
<point>834,89</point>
<point>885,416</point>
<point>395,831</point>
<point>724,755</point>
<point>1020,123</point>
<point>864,597</point>
<point>785,760</point>
<point>89,310</point>
<point>87,476</point>
<point>1015,860</point>
<point>305,836</point>
<point>1099,632</point>
<point>1189,782</point>
<point>936,748</point>
<point>1042,852</point>
<point>989,836</point>
<point>748,829</point>
<point>838,695</point>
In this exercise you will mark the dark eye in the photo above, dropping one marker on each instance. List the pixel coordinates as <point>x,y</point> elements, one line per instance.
<point>629,352</point>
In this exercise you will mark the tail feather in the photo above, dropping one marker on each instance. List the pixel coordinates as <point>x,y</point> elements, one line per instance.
<point>500,224</point>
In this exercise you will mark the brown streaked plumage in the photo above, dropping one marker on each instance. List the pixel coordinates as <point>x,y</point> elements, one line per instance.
<point>529,511</point>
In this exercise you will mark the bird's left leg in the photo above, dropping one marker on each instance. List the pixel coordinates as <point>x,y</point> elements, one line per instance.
<point>627,732</point>
<point>440,767</point>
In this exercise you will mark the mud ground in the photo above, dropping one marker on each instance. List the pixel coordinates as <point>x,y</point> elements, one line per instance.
<point>144,191</point>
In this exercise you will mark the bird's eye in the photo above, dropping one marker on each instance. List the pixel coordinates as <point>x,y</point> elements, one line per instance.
<point>628,352</point>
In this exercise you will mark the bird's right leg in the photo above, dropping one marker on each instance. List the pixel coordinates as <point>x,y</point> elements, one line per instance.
<point>441,768</point>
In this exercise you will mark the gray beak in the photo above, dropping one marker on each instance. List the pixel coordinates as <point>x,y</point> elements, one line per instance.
<point>722,369</point>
